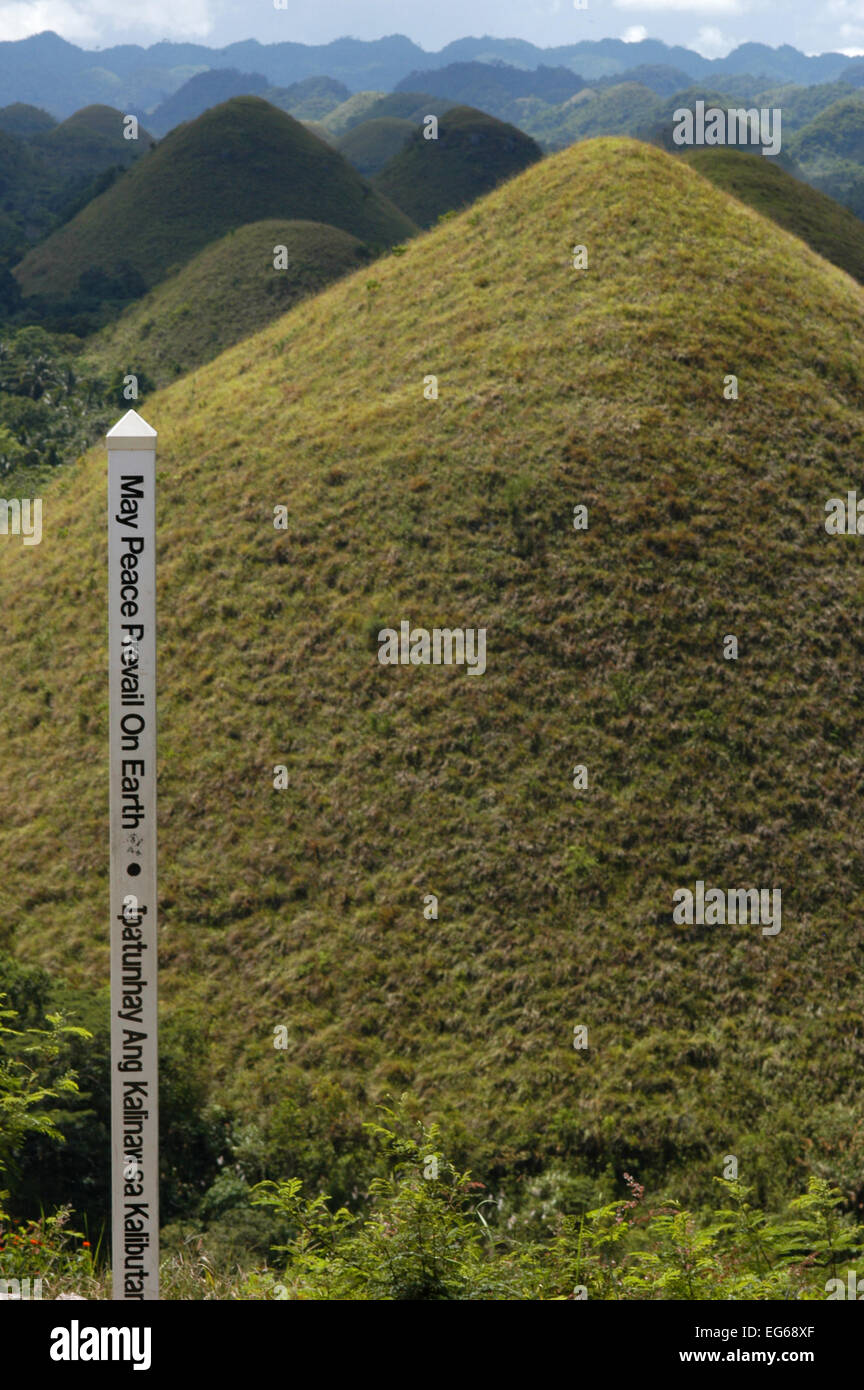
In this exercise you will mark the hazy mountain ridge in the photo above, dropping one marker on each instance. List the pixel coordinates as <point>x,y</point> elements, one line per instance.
<point>45,70</point>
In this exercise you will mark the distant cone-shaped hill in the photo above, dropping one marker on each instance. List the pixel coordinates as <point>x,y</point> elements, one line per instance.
<point>90,142</point>
<point>226,292</point>
<point>557,388</point>
<point>832,230</point>
<point>371,144</point>
<point>243,161</point>
<point>472,154</point>
<point>21,119</point>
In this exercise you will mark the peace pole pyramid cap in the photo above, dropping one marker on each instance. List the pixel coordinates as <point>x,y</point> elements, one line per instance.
<point>131,433</point>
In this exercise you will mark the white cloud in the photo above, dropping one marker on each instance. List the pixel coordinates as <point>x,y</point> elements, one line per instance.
<point>90,21</point>
<point>635,34</point>
<point>711,43</point>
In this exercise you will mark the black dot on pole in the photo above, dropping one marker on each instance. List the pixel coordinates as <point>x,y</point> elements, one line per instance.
<point>133,869</point>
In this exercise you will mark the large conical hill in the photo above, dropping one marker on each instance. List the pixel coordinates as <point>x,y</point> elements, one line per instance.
<point>557,388</point>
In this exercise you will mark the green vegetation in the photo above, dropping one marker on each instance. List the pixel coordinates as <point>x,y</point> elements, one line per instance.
<point>373,106</point>
<point>620,110</point>
<point>423,1229</point>
<point>46,171</point>
<point>371,144</point>
<point>226,292</point>
<point>496,88</point>
<point>89,142</point>
<point>830,151</point>
<point>51,406</point>
<point>351,111</point>
<point>830,229</point>
<point>25,1056</point>
<point>309,100</point>
<point>800,105</point>
<point>203,91</point>
<point>243,161</point>
<point>836,133</point>
<point>473,153</point>
<point>21,119</point>
<point>305,907</point>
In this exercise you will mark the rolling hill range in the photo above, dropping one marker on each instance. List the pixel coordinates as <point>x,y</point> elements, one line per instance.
<point>495,87</point>
<point>824,224</point>
<point>229,290</point>
<point>46,168</point>
<point>473,153</point>
<point>305,907</point>
<point>243,161</point>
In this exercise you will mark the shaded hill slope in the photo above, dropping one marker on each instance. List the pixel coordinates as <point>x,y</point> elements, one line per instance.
<point>46,170</point>
<point>92,140</point>
<point>370,106</point>
<point>830,151</point>
<point>824,224</point>
<point>21,119</point>
<point>372,144</point>
<point>305,907</point>
<point>472,154</point>
<point>229,290</point>
<point>240,162</point>
<point>310,100</point>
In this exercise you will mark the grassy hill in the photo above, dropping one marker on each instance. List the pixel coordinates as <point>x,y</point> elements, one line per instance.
<point>824,224</point>
<point>472,154</point>
<point>21,119</point>
<point>47,169</point>
<point>370,145</point>
<point>83,145</point>
<point>229,290</point>
<point>243,161</point>
<point>306,907</point>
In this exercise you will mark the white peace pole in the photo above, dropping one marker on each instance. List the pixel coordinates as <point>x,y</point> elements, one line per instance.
<point>132,704</point>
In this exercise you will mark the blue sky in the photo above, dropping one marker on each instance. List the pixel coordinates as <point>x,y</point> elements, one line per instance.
<point>710,26</point>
